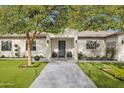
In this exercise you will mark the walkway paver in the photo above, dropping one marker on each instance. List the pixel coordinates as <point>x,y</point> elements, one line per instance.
<point>62,75</point>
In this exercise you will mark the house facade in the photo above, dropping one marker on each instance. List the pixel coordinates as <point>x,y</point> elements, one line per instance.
<point>71,43</point>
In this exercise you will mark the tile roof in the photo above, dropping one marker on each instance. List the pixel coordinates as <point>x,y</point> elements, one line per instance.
<point>67,33</point>
<point>95,34</point>
<point>20,35</point>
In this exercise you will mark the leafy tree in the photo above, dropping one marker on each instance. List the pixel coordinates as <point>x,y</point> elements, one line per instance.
<point>96,17</point>
<point>53,19</point>
<point>30,20</point>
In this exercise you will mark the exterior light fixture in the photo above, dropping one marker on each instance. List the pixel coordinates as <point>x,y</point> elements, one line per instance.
<point>47,41</point>
<point>122,41</point>
<point>75,41</point>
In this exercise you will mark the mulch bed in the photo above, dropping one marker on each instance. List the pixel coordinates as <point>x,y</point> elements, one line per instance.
<point>26,66</point>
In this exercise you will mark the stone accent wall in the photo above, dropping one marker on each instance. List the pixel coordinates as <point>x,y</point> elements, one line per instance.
<point>99,51</point>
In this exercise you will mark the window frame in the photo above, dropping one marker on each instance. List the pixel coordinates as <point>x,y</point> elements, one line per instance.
<point>91,42</point>
<point>7,42</point>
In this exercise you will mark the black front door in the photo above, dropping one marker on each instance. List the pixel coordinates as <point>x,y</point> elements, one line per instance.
<point>61,47</point>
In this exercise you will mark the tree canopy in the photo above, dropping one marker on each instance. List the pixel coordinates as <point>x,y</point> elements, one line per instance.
<point>20,19</point>
<point>96,17</point>
<point>54,19</point>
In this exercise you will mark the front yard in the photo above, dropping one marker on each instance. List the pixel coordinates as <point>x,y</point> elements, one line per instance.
<point>105,75</point>
<point>13,76</point>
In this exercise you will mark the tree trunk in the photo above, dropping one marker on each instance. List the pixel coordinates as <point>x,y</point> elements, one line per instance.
<point>29,52</point>
<point>29,43</point>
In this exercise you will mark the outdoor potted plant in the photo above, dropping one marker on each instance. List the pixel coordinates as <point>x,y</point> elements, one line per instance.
<point>69,54</point>
<point>54,54</point>
<point>37,58</point>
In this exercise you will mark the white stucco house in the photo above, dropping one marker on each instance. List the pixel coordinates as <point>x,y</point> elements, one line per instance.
<point>89,43</point>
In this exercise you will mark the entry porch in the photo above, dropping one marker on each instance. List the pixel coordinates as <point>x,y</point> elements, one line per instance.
<point>63,47</point>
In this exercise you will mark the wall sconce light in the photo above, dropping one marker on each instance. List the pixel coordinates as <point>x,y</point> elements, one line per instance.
<point>122,41</point>
<point>47,41</point>
<point>75,41</point>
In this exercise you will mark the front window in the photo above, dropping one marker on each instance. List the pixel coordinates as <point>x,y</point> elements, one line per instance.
<point>6,45</point>
<point>33,46</point>
<point>92,44</point>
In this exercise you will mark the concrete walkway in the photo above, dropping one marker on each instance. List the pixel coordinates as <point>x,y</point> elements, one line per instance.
<point>62,75</point>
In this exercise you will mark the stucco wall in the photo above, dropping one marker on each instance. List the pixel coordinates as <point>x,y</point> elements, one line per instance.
<point>73,44</point>
<point>120,48</point>
<point>40,47</point>
<point>99,51</point>
<point>112,39</point>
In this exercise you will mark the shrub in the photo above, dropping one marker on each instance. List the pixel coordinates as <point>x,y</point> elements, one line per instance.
<point>103,58</point>
<point>16,54</point>
<point>112,53</point>
<point>54,54</point>
<point>37,58</point>
<point>3,56</point>
<point>81,56</point>
<point>90,58</point>
<point>16,49</point>
<point>24,56</point>
<point>41,56</point>
<point>97,57</point>
<point>69,54</point>
<point>16,45</point>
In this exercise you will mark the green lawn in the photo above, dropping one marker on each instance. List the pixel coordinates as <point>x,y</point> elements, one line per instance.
<point>13,76</point>
<point>101,78</point>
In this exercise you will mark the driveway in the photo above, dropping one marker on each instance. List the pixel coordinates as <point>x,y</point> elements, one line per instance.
<point>62,75</point>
